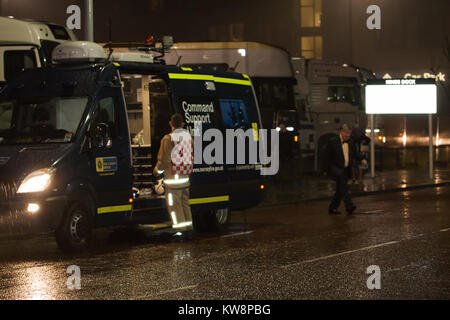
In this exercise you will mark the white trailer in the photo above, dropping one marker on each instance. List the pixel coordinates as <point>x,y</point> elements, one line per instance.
<point>269,68</point>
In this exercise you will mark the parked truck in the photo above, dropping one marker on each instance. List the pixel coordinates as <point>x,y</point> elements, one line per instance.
<point>27,44</point>
<point>331,94</point>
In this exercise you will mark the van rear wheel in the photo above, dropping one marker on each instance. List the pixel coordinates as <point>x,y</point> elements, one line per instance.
<point>74,233</point>
<point>218,220</point>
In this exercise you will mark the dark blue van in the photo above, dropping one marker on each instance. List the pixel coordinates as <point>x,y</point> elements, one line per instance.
<point>67,158</point>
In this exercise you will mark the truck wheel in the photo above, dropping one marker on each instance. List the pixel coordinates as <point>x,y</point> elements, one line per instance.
<point>218,220</point>
<point>75,231</point>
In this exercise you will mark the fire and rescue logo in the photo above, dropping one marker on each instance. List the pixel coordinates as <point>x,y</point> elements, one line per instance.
<point>108,164</point>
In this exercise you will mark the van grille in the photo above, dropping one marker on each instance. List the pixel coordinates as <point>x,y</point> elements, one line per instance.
<point>7,190</point>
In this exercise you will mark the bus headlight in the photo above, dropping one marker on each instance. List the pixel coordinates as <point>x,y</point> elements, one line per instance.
<point>36,181</point>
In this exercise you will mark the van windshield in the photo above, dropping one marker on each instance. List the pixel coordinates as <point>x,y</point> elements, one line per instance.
<point>41,120</point>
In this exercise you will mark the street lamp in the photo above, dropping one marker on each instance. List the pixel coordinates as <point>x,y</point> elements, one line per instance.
<point>89,7</point>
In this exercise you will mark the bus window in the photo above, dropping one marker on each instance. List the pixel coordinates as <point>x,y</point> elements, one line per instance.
<point>16,61</point>
<point>274,92</point>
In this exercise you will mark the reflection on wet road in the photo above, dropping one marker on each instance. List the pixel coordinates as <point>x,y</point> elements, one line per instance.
<point>285,252</point>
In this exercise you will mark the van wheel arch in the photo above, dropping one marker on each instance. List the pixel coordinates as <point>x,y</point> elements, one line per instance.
<point>85,196</point>
<point>78,219</point>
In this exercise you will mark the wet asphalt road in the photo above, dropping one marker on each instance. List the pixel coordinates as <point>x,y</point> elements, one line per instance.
<point>285,252</point>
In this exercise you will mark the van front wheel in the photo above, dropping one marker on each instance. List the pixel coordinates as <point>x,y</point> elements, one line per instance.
<point>74,232</point>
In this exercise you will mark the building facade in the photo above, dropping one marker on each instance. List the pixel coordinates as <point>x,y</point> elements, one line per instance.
<point>410,43</point>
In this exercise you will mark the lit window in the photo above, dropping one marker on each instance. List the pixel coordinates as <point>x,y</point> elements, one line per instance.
<point>311,13</point>
<point>312,47</point>
<point>307,17</point>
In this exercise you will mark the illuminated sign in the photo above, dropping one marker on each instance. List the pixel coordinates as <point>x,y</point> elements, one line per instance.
<point>440,76</point>
<point>401,96</point>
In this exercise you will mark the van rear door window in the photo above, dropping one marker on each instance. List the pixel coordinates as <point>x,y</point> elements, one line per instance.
<point>234,114</point>
<point>16,61</point>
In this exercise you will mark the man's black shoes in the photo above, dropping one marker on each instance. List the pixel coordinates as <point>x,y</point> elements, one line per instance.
<point>351,209</point>
<point>334,211</point>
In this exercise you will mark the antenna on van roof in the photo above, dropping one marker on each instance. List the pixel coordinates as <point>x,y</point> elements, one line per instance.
<point>235,67</point>
<point>179,60</point>
<point>110,44</point>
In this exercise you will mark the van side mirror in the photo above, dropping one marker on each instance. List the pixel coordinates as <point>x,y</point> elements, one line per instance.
<point>101,136</point>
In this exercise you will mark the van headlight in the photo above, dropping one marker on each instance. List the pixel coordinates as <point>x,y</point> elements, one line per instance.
<point>36,181</point>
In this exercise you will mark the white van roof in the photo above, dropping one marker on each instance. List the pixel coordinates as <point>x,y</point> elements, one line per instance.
<point>17,31</point>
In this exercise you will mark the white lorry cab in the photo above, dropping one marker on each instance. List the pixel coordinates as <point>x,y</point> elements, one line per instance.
<point>26,44</point>
<point>69,160</point>
<point>332,95</point>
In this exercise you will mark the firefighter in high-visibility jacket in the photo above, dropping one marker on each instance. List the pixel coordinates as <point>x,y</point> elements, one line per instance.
<point>175,160</point>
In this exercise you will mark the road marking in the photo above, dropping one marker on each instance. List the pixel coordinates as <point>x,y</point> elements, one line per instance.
<point>340,254</point>
<point>358,250</point>
<point>411,265</point>
<point>178,289</point>
<point>168,291</point>
<point>373,211</point>
<point>237,234</point>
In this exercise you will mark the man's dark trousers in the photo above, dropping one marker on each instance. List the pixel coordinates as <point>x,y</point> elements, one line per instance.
<point>342,191</point>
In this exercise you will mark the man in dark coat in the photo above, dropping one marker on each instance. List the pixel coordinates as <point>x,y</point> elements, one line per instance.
<point>339,156</point>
